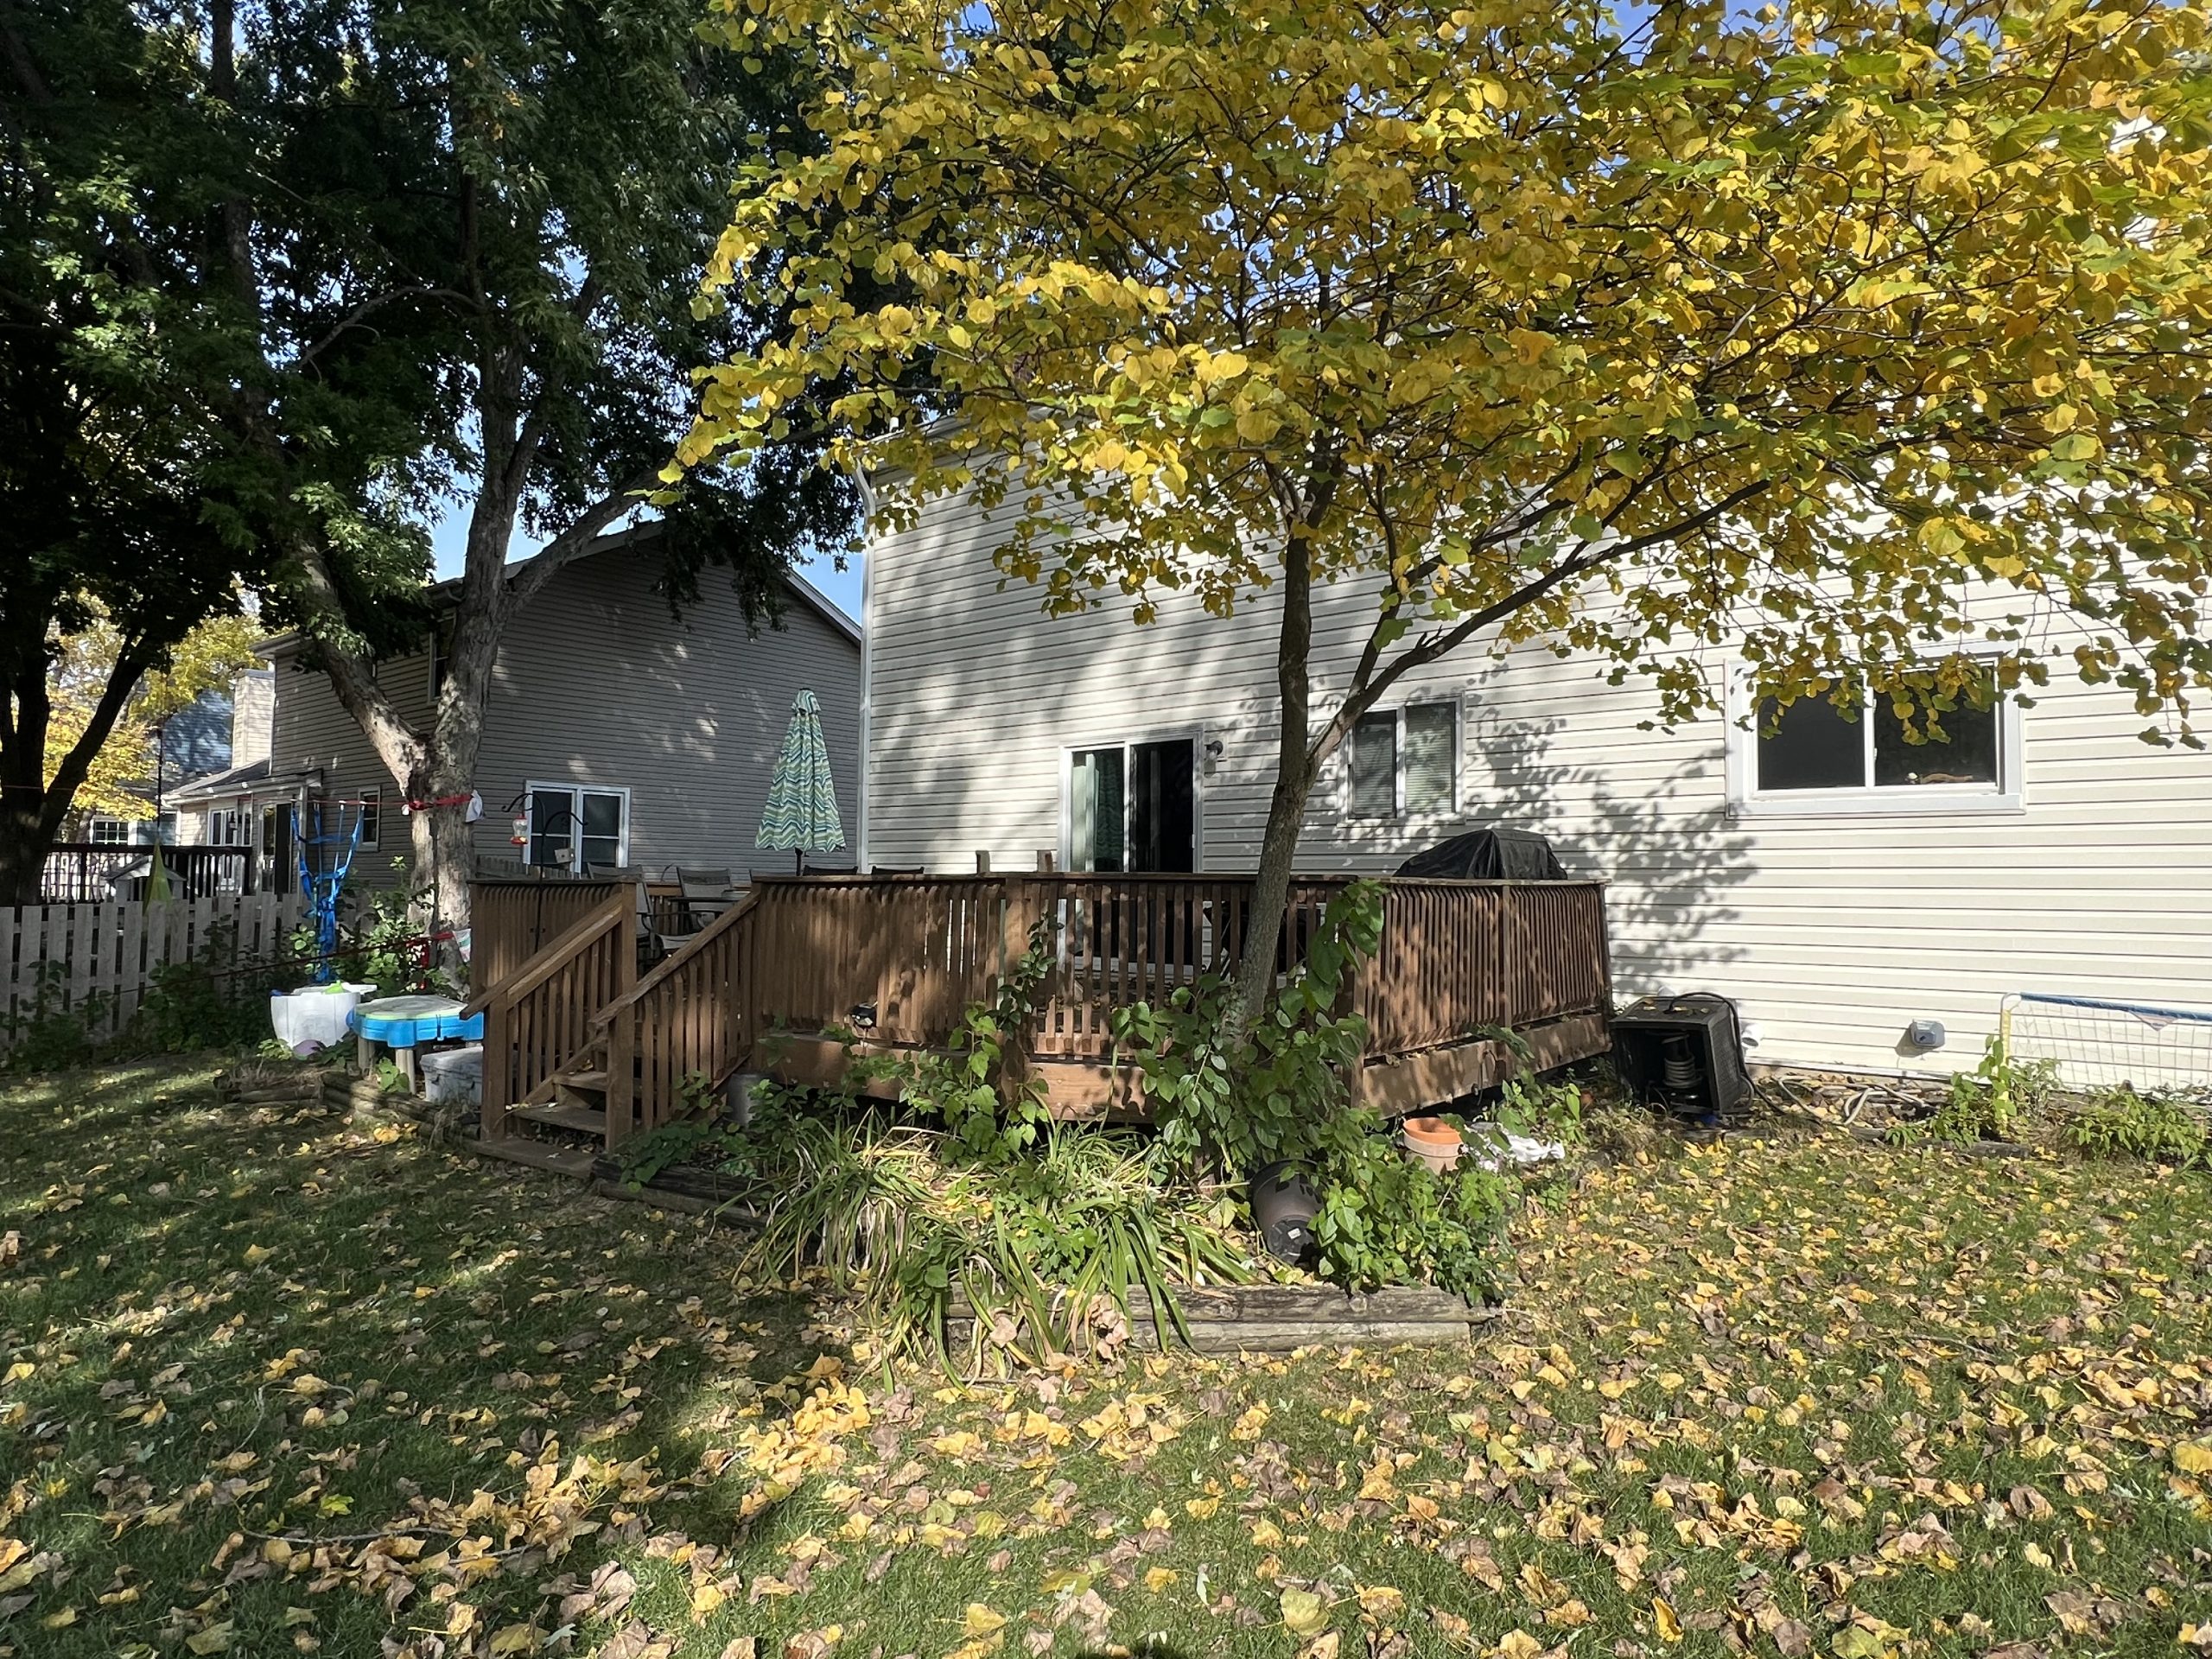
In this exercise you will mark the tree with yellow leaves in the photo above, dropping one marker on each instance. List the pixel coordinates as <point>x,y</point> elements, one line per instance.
<point>117,778</point>
<point>1625,334</point>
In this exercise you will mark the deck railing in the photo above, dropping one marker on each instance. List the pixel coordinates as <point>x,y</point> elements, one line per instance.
<point>540,1019</point>
<point>898,959</point>
<point>911,952</point>
<point>91,872</point>
<point>511,919</point>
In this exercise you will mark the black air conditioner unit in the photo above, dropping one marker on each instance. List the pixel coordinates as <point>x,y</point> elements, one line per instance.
<point>1684,1054</point>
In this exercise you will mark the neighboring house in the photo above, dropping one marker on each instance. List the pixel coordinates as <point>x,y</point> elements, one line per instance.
<point>197,742</point>
<point>617,732</point>
<point>219,810</point>
<point>1838,882</point>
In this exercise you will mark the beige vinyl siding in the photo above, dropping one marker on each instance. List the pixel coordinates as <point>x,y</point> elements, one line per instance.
<point>1834,932</point>
<point>598,684</point>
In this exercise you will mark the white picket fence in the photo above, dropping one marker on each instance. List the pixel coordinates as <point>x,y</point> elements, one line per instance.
<point>107,953</point>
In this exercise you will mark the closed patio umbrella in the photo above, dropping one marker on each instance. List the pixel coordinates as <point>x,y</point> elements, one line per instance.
<point>802,815</point>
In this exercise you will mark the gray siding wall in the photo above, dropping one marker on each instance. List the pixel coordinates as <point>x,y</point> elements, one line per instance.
<point>597,683</point>
<point>1834,931</point>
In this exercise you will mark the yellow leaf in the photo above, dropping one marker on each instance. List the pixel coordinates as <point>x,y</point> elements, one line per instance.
<point>216,1638</point>
<point>1266,1535</point>
<point>257,1254</point>
<point>980,1620</point>
<point>1202,1509</point>
<point>1516,1644</point>
<point>1382,1601</point>
<point>2194,1458</point>
<point>1157,1520</point>
<point>706,1598</point>
<point>1304,1611</point>
<point>512,1638</point>
<point>1157,1578</point>
<point>1662,1615</point>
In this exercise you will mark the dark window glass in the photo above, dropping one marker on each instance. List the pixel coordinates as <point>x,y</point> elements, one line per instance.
<point>602,831</point>
<point>372,816</point>
<point>1809,745</point>
<point>1375,766</point>
<point>552,826</point>
<point>1966,754</point>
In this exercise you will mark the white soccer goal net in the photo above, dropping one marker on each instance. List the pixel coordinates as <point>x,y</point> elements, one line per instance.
<point>2097,1044</point>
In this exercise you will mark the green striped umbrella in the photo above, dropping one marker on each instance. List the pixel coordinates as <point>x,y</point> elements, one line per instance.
<point>802,815</point>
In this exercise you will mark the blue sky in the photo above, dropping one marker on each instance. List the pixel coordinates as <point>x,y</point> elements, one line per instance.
<point>841,587</point>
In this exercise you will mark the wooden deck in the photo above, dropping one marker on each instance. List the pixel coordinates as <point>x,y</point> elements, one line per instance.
<point>896,960</point>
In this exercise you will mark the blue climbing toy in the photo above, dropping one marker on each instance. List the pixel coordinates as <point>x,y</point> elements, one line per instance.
<point>325,856</point>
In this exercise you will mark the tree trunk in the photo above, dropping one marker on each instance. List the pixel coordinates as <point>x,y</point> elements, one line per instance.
<point>33,808</point>
<point>1294,772</point>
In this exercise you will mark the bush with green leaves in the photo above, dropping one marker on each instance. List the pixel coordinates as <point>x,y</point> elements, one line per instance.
<point>2155,1126</point>
<point>44,1034</point>
<point>974,1083</point>
<point>1227,1100</point>
<point>1986,1103</point>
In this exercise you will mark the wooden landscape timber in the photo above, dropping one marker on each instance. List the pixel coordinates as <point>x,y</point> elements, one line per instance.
<point>1277,1319</point>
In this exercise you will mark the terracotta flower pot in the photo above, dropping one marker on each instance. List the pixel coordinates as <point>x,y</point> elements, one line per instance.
<point>1433,1141</point>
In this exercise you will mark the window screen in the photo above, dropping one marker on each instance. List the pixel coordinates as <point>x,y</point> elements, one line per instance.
<point>1375,766</point>
<point>1809,745</point>
<point>1432,746</point>
<point>372,816</point>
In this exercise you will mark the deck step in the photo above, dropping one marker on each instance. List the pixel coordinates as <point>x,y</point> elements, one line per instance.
<point>591,1080</point>
<point>573,1161</point>
<point>565,1114</point>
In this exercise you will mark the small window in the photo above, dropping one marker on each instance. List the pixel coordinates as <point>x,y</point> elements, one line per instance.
<point>371,807</point>
<point>226,827</point>
<point>1815,756</point>
<point>573,827</point>
<point>1404,762</point>
<point>110,832</point>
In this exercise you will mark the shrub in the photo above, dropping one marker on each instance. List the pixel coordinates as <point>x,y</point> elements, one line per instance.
<point>1230,1102</point>
<point>1986,1103</point>
<point>45,1036</point>
<point>2156,1128</point>
<point>216,1000</point>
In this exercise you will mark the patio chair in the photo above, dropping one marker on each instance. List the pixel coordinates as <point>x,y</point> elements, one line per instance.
<point>808,867</point>
<point>707,893</point>
<point>897,869</point>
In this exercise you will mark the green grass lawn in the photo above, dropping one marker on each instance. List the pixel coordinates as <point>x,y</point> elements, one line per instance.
<point>274,1381</point>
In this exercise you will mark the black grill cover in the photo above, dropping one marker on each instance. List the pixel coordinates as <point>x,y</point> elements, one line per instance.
<point>1488,855</point>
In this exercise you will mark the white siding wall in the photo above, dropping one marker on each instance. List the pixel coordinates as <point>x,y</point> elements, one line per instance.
<point>597,683</point>
<point>1834,932</point>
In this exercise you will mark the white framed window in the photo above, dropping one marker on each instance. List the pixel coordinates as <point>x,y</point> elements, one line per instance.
<point>226,827</point>
<point>109,832</point>
<point>371,810</point>
<point>1403,762</point>
<point>576,825</point>
<point>1814,758</point>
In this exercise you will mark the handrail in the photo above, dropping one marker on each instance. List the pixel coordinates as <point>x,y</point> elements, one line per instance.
<point>538,1020</point>
<point>671,964</point>
<point>617,909</point>
<point>652,1046</point>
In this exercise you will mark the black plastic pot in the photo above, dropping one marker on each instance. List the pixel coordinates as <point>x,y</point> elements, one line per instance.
<point>1283,1208</point>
